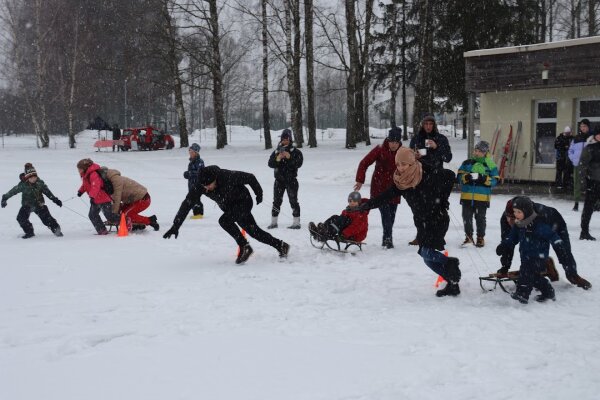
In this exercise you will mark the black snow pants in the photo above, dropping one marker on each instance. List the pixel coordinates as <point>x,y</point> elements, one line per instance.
<point>42,212</point>
<point>292,190</point>
<point>241,215</point>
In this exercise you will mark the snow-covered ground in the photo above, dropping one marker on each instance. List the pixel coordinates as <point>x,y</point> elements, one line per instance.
<point>102,317</point>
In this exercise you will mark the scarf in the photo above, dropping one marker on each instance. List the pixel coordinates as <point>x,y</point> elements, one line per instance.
<point>413,175</point>
<point>525,221</point>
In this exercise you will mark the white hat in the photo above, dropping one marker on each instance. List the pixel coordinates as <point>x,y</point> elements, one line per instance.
<point>567,129</point>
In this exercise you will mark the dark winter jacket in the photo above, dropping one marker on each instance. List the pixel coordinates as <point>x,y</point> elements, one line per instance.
<point>193,170</point>
<point>561,144</point>
<point>230,192</point>
<point>551,217</point>
<point>435,157</point>
<point>31,193</point>
<point>589,165</point>
<point>534,241</point>
<point>286,169</point>
<point>385,165</point>
<point>359,225</point>
<point>93,185</point>
<point>429,204</point>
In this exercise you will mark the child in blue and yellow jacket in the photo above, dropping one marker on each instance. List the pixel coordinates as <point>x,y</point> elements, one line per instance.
<point>476,176</point>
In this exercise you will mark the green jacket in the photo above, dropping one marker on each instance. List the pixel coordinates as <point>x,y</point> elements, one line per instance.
<point>32,193</point>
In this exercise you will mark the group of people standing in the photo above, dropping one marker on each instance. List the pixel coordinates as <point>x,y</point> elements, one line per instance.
<point>578,169</point>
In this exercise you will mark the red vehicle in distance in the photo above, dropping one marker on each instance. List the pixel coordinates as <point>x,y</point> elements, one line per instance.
<point>146,138</point>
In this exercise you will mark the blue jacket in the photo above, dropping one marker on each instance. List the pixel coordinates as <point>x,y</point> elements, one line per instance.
<point>534,241</point>
<point>193,170</point>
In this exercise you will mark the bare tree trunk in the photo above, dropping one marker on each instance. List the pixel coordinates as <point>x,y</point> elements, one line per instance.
<point>543,16</point>
<point>70,114</point>
<point>422,87</point>
<point>591,17</point>
<point>310,84</point>
<point>366,81</point>
<point>217,75</point>
<point>393,93</point>
<point>403,57</point>
<point>298,130</point>
<point>351,89</point>
<point>551,20</point>
<point>40,100</point>
<point>265,71</point>
<point>290,60</point>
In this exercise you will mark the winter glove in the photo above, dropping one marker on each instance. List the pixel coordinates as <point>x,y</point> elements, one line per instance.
<point>481,179</point>
<point>57,202</point>
<point>3,202</point>
<point>259,199</point>
<point>503,270</point>
<point>79,194</point>
<point>186,174</point>
<point>500,249</point>
<point>468,178</point>
<point>173,231</point>
<point>364,207</point>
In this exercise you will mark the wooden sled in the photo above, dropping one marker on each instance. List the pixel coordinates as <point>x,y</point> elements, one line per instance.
<point>500,280</point>
<point>337,245</point>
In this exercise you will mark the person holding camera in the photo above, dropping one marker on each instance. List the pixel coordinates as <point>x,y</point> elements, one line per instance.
<point>285,160</point>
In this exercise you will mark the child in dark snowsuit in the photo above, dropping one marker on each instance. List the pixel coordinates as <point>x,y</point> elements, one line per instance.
<point>32,191</point>
<point>194,167</point>
<point>534,237</point>
<point>352,224</point>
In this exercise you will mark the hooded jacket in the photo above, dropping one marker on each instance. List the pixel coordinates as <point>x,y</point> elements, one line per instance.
<point>385,165</point>
<point>126,190</point>
<point>93,185</point>
<point>285,169</point>
<point>32,193</point>
<point>434,157</point>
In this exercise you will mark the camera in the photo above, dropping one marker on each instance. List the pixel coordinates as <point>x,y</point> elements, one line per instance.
<point>280,149</point>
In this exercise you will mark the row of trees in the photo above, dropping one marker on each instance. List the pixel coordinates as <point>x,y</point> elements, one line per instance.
<point>201,63</point>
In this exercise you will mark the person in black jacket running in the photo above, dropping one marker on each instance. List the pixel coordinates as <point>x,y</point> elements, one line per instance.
<point>228,190</point>
<point>285,160</point>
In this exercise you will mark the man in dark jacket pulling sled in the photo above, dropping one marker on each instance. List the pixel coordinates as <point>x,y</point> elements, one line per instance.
<point>33,190</point>
<point>228,190</point>
<point>285,160</point>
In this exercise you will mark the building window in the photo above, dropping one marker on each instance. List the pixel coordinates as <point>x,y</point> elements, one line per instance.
<point>590,109</point>
<point>545,131</point>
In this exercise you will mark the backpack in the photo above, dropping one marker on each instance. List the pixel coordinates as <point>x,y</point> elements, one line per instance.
<point>106,183</point>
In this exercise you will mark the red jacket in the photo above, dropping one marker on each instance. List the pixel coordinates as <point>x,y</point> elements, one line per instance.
<point>357,230</point>
<point>385,165</point>
<point>93,185</point>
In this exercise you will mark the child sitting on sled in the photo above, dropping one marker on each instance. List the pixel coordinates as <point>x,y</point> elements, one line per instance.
<point>352,224</point>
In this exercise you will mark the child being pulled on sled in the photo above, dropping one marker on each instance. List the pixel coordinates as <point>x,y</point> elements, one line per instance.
<point>352,224</point>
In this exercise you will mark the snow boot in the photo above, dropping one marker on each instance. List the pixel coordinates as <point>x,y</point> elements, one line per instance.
<point>585,235</point>
<point>295,224</point>
<point>453,273</point>
<point>154,222</point>
<point>414,242</point>
<point>575,279</point>
<point>387,243</point>
<point>103,232</point>
<point>480,242</point>
<point>546,295</point>
<point>314,231</point>
<point>451,289</point>
<point>520,295</point>
<point>245,252</point>
<point>468,240</point>
<point>28,235</point>
<point>283,249</point>
<point>57,232</point>
<point>576,206</point>
<point>273,223</point>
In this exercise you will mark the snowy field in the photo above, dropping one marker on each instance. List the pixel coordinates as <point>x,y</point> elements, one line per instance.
<point>89,317</point>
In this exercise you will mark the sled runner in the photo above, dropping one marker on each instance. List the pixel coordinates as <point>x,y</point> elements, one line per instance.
<point>134,227</point>
<point>337,244</point>
<point>500,279</point>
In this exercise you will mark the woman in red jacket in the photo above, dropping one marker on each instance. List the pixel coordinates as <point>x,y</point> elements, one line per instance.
<point>93,185</point>
<point>384,157</point>
<point>352,224</point>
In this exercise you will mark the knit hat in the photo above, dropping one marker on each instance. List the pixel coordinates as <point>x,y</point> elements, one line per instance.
<point>428,117</point>
<point>395,134</point>
<point>208,175</point>
<point>195,147</point>
<point>567,129</point>
<point>354,196</point>
<point>585,121</point>
<point>483,146</point>
<point>524,204</point>
<point>84,164</point>
<point>29,171</point>
<point>286,134</point>
<point>508,210</point>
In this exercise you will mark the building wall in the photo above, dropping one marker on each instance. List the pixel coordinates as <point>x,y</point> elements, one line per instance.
<point>506,108</point>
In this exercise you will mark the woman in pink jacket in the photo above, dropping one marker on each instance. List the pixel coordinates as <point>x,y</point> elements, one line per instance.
<point>93,185</point>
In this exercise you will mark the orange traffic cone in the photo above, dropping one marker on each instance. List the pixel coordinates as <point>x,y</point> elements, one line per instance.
<point>439,278</point>
<point>122,226</point>
<point>244,235</point>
